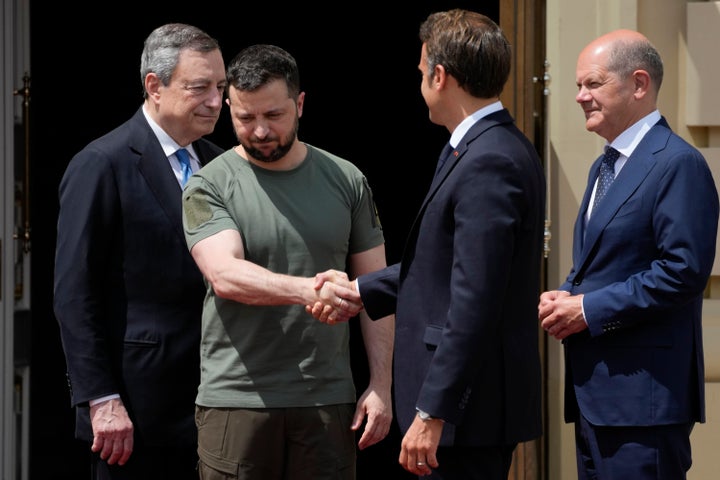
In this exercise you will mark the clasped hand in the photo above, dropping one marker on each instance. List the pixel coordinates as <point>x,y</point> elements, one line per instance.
<point>561,314</point>
<point>337,298</point>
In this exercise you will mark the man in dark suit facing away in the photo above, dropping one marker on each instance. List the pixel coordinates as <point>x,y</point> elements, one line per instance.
<point>466,368</point>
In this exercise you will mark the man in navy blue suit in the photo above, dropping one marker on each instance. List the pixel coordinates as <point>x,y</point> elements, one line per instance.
<point>128,295</point>
<point>466,366</point>
<point>630,311</point>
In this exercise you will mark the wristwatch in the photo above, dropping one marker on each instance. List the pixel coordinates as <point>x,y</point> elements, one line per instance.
<point>424,416</point>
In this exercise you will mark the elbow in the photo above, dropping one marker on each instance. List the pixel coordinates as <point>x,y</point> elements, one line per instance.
<point>222,289</point>
<point>220,286</point>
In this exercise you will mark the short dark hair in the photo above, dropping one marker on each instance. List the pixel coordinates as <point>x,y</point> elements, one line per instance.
<point>471,47</point>
<point>258,65</point>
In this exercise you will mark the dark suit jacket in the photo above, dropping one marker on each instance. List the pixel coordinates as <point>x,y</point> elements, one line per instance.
<point>643,261</point>
<point>466,290</point>
<point>128,295</point>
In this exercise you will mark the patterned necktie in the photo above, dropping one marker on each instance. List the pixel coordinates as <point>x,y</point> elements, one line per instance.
<point>185,169</point>
<point>443,156</point>
<point>607,175</point>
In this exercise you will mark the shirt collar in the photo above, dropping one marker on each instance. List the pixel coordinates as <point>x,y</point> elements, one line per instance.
<point>168,145</point>
<point>471,120</point>
<point>628,140</point>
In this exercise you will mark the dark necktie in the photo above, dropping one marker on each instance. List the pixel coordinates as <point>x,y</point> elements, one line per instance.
<point>607,175</point>
<point>185,169</point>
<point>443,157</point>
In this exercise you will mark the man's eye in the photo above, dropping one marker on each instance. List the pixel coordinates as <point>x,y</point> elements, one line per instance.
<point>195,89</point>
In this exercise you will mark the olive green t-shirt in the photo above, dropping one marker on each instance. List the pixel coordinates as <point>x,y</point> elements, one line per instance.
<point>298,222</point>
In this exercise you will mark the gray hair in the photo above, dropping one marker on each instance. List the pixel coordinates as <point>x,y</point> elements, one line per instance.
<point>627,56</point>
<point>161,52</point>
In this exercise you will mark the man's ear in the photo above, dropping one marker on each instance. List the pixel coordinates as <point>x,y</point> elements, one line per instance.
<point>642,83</point>
<point>300,102</point>
<point>439,76</point>
<point>152,85</point>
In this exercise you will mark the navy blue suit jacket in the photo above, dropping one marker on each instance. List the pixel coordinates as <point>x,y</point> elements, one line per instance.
<point>643,262</point>
<point>128,295</point>
<point>466,290</point>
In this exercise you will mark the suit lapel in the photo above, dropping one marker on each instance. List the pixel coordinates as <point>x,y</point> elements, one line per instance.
<point>152,164</point>
<point>494,119</point>
<point>636,169</point>
<point>482,125</point>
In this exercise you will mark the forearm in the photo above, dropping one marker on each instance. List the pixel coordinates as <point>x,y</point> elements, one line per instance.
<point>378,336</point>
<point>246,282</point>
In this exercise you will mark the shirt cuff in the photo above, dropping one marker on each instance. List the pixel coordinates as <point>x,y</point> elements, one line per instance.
<point>103,399</point>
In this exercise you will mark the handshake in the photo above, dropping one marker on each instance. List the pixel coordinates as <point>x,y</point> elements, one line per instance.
<point>336,298</point>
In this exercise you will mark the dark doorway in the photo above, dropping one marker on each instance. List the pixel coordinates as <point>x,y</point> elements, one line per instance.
<point>358,65</point>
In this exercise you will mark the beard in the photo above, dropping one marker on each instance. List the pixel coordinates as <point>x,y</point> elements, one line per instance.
<point>284,146</point>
